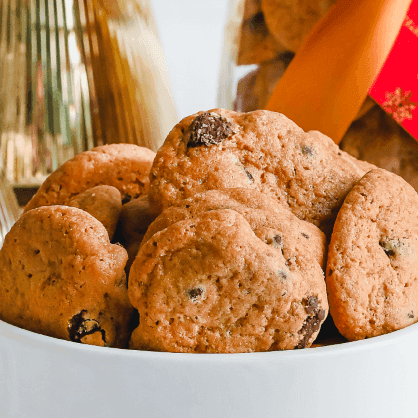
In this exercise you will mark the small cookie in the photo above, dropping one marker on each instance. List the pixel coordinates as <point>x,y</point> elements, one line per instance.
<point>273,224</point>
<point>135,218</point>
<point>60,276</point>
<point>102,202</point>
<point>305,172</point>
<point>124,166</point>
<point>291,21</point>
<point>372,269</point>
<point>208,284</point>
<point>257,44</point>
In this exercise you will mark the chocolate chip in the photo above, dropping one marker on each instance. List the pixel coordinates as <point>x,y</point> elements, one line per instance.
<point>308,151</point>
<point>393,247</point>
<point>304,235</point>
<point>79,326</point>
<point>311,304</point>
<point>310,326</point>
<point>209,129</point>
<point>195,293</point>
<point>276,241</point>
<point>284,275</point>
<point>330,272</point>
<point>411,315</point>
<point>249,175</point>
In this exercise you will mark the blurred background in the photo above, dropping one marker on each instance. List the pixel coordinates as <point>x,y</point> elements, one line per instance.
<point>191,32</point>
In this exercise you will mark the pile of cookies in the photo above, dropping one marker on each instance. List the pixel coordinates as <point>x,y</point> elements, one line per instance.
<point>219,243</point>
<point>270,33</point>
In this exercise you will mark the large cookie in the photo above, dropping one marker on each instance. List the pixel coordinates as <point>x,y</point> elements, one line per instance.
<point>272,223</point>
<point>208,284</point>
<point>60,276</point>
<point>291,21</point>
<point>261,150</point>
<point>124,166</point>
<point>372,269</point>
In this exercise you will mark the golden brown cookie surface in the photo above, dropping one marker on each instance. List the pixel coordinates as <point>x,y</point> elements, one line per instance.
<point>102,202</point>
<point>372,267</point>
<point>208,284</point>
<point>124,166</point>
<point>272,223</point>
<point>261,150</point>
<point>60,276</point>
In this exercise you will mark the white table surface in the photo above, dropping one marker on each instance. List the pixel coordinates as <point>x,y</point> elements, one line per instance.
<point>191,32</point>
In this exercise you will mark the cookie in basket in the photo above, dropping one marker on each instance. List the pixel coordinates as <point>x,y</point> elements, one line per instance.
<point>272,223</point>
<point>208,284</point>
<point>124,166</point>
<point>261,150</point>
<point>60,276</point>
<point>372,269</point>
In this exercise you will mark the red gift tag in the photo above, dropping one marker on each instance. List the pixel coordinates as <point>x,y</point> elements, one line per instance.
<point>396,87</point>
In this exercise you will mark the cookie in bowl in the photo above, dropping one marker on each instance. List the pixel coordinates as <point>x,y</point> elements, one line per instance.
<point>60,276</point>
<point>124,166</point>
<point>261,150</point>
<point>372,266</point>
<point>209,284</point>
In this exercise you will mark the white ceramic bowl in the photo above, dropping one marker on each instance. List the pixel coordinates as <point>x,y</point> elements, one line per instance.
<point>43,377</point>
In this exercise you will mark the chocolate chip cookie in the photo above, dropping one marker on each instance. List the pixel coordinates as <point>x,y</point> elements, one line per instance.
<point>305,172</point>
<point>124,166</point>
<point>60,276</point>
<point>208,284</point>
<point>272,223</point>
<point>372,269</point>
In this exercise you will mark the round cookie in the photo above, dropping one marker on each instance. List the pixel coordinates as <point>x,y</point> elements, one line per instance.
<point>208,284</point>
<point>372,268</point>
<point>124,166</point>
<point>102,202</point>
<point>291,21</point>
<point>272,223</point>
<point>261,150</point>
<point>60,276</point>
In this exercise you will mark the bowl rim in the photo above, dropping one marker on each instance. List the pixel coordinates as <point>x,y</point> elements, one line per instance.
<point>55,344</point>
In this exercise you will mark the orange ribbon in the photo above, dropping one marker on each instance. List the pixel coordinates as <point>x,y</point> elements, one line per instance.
<point>332,72</point>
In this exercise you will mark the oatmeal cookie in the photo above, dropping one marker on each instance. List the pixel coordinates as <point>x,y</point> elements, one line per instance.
<point>60,276</point>
<point>372,268</point>
<point>208,284</point>
<point>124,166</point>
<point>305,172</point>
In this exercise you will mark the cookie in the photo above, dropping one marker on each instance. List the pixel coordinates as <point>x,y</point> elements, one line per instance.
<point>291,21</point>
<point>372,267</point>
<point>102,202</point>
<point>256,43</point>
<point>305,172</point>
<point>124,166</point>
<point>273,224</point>
<point>208,284</point>
<point>60,276</point>
<point>254,90</point>
<point>135,218</point>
